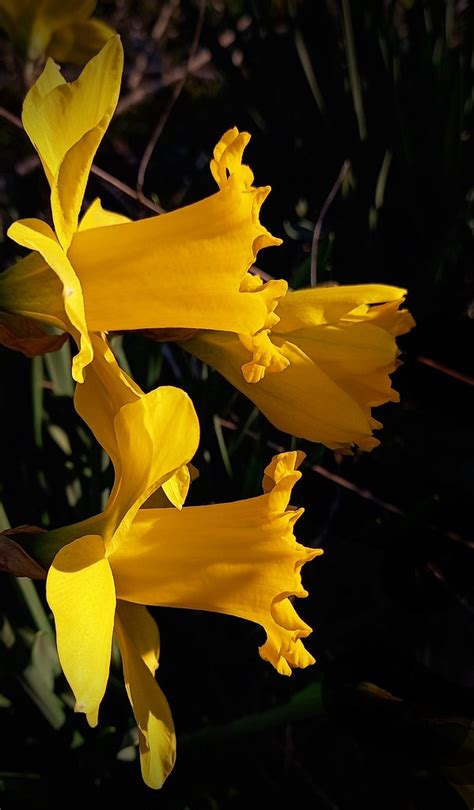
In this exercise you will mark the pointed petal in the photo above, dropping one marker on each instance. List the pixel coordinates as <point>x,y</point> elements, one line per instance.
<point>139,643</point>
<point>80,592</point>
<point>302,308</point>
<point>80,41</point>
<point>36,235</point>
<point>66,122</point>
<point>98,217</point>
<point>240,558</point>
<point>176,488</point>
<point>388,316</point>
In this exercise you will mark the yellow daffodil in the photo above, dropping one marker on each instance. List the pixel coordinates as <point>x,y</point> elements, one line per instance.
<point>62,29</point>
<point>340,344</point>
<point>186,269</point>
<point>239,558</point>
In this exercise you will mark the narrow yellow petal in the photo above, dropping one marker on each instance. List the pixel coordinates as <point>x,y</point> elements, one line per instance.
<point>98,217</point>
<point>66,122</point>
<point>176,488</point>
<point>106,388</point>
<point>317,305</point>
<point>388,316</point>
<point>79,41</point>
<point>80,592</point>
<point>36,235</point>
<point>139,643</point>
<point>239,558</point>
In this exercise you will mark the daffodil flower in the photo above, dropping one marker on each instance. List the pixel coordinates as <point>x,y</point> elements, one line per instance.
<point>185,269</point>
<point>239,558</point>
<point>62,29</point>
<point>341,349</point>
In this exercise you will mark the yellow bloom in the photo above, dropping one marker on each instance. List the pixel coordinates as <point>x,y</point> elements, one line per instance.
<point>62,29</point>
<point>185,269</point>
<point>238,558</point>
<point>340,344</point>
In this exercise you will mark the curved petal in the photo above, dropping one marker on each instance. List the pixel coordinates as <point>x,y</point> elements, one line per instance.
<point>80,592</point>
<point>139,643</point>
<point>79,41</point>
<point>156,435</point>
<point>30,288</point>
<point>36,235</point>
<point>303,400</point>
<point>66,122</point>
<point>311,307</point>
<point>106,388</point>
<point>98,217</point>
<point>184,269</point>
<point>359,357</point>
<point>239,558</point>
<point>388,316</point>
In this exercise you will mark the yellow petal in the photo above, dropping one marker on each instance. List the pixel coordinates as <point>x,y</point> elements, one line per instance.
<point>181,270</point>
<point>156,435</point>
<point>302,400</point>
<point>105,390</point>
<point>80,592</point>
<point>317,305</point>
<point>79,41</point>
<point>29,287</point>
<point>139,643</point>
<point>66,123</point>
<point>149,437</point>
<point>388,316</point>
<point>358,356</point>
<point>36,235</point>
<point>98,217</point>
<point>238,558</point>
<point>176,488</point>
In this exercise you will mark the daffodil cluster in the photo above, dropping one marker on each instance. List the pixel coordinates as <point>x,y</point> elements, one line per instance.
<point>314,362</point>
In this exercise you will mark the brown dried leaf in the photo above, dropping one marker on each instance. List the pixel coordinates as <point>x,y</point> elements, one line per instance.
<point>27,336</point>
<point>14,559</point>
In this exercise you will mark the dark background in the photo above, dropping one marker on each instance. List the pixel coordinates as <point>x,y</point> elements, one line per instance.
<point>384,718</point>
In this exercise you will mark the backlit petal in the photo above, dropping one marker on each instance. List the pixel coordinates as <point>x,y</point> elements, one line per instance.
<point>156,435</point>
<point>139,643</point>
<point>98,217</point>
<point>37,235</point>
<point>66,122</point>
<point>80,592</point>
<point>238,558</point>
<point>105,390</point>
<point>317,305</point>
